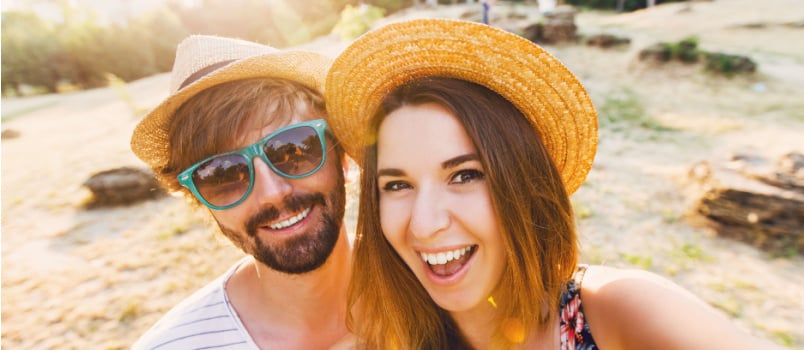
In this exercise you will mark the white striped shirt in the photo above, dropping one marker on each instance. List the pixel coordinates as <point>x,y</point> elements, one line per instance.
<point>205,320</point>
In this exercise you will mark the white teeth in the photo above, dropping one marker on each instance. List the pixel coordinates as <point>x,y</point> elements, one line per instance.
<point>285,223</point>
<point>443,257</point>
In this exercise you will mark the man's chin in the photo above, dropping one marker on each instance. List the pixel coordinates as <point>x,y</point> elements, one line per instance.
<point>299,255</point>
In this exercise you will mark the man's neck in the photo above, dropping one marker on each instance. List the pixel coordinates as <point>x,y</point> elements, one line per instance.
<point>289,311</point>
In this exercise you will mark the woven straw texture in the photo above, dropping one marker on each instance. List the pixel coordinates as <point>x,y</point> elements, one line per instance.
<point>249,60</point>
<point>536,82</point>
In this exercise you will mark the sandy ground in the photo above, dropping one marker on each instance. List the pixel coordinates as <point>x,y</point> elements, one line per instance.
<point>78,279</point>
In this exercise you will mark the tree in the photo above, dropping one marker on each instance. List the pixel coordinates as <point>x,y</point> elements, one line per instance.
<point>27,47</point>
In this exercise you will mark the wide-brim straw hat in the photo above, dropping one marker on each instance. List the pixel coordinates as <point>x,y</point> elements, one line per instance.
<point>203,61</point>
<point>536,82</point>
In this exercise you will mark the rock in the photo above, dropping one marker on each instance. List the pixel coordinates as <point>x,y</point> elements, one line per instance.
<point>122,186</point>
<point>533,32</point>
<point>10,134</point>
<point>606,40</point>
<point>558,26</point>
<point>658,53</point>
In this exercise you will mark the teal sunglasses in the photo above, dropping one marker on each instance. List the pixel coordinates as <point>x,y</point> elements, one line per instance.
<point>225,180</point>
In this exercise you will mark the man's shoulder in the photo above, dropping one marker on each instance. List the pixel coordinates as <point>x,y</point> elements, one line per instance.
<point>203,319</point>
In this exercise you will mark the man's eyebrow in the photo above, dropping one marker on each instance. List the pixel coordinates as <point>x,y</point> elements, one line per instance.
<point>453,162</point>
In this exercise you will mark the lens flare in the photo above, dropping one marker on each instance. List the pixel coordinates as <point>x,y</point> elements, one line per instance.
<point>513,330</point>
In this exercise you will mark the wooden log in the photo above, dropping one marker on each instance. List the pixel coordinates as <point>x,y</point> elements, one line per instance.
<point>752,200</point>
<point>122,186</point>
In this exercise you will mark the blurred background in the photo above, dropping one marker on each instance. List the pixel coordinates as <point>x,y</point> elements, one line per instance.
<point>699,174</point>
<point>61,45</point>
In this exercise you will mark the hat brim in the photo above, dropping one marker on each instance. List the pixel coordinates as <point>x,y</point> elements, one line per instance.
<point>537,83</point>
<point>150,141</point>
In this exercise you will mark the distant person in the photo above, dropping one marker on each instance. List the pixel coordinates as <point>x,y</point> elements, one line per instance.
<point>222,138</point>
<point>471,140</point>
<point>487,11</point>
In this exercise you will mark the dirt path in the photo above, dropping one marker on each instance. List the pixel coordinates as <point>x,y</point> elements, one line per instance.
<point>97,279</point>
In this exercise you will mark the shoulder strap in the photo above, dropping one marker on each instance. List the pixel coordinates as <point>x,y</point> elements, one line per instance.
<point>578,275</point>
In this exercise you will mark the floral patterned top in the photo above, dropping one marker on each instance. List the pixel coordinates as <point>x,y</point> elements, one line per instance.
<point>575,333</point>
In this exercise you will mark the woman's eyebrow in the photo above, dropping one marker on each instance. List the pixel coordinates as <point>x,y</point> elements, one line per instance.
<point>453,162</point>
<point>447,164</point>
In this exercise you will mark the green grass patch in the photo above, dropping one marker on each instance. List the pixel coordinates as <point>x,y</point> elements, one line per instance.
<point>729,305</point>
<point>130,312</point>
<point>669,216</point>
<point>622,110</point>
<point>640,261</point>
<point>356,20</point>
<point>786,339</point>
<point>689,253</point>
<point>583,211</point>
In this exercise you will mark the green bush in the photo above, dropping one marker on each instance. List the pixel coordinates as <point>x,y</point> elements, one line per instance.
<point>82,50</point>
<point>729,64</point>
<point>390,6</point>
<point>79,52</point>
<point>356,20</point>
<point>685,50</point>
<point>27,48</point>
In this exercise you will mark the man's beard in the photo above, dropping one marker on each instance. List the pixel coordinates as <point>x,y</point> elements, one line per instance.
<point>303,253</point>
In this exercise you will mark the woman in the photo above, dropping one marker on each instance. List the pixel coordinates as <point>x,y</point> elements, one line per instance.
<point>471,140</point>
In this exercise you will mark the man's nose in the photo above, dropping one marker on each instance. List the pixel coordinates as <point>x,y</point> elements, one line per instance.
<point>269,187</point>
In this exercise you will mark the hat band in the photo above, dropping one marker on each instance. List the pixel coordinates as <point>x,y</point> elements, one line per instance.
<point>202,72</point>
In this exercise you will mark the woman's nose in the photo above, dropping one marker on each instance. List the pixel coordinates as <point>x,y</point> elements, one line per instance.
<point>429,214</point>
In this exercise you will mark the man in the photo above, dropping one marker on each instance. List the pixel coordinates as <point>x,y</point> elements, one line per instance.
<point>243,133</point>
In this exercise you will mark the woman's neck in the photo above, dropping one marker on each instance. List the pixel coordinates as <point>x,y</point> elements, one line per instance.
<point>477,325</point>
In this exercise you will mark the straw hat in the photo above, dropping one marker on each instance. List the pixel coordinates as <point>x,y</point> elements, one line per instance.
<point>204,61</point>
<point>533,80</point>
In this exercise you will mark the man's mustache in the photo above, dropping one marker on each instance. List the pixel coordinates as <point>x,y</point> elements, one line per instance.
<point>292,204</point>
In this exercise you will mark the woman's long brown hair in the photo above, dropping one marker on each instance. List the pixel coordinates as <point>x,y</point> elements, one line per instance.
<point>390,308</point>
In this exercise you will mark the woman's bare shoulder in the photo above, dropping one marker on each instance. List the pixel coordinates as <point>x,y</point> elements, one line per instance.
<point>628,308</point>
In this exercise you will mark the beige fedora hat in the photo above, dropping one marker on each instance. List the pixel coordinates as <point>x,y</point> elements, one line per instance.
<point>536,82</point>
<point>203,61</point>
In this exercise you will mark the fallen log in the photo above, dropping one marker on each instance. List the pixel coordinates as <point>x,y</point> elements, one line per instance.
<point>753,200</point>
<point>122,186</point>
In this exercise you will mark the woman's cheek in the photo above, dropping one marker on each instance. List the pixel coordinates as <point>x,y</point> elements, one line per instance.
<point>393,216</point>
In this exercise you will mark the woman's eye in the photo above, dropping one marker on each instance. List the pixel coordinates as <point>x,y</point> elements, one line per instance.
<point>466,176</point>
<point>393,186</point>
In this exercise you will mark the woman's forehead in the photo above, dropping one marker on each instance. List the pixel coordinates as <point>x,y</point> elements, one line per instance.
<point>421,133</point>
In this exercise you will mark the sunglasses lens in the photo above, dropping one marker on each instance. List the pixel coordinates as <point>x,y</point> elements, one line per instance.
<point>222,180</point>
<point>295,152</point>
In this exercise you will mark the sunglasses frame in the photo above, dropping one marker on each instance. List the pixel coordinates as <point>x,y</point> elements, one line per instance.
<point>249,153</point>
